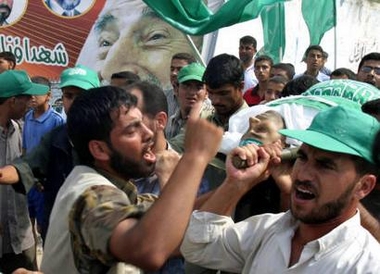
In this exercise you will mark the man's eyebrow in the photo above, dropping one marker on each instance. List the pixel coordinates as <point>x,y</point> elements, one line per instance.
<point>102,22</point>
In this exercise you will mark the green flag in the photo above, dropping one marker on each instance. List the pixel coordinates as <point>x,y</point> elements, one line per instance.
<point>320,16</point>
<point>273,20</point>
<point>195,18</point>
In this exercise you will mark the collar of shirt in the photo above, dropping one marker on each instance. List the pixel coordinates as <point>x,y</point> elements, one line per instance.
<point>126,186</point>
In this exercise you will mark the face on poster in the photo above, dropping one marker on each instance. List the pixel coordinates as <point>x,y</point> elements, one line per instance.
<point>128,36</point>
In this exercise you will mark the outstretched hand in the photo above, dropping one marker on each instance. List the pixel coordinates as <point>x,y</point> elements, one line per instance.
<point>202,137</point>
<point>166,162</point>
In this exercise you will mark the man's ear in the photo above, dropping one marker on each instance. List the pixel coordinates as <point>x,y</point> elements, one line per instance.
<point>162,119</point>
<point>12,65</point>
<point>99,150</point>
<point>365,185</point>
<point>241,86</point>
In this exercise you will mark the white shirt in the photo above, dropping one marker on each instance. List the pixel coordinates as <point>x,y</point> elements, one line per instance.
<point>321,77</point>
<point>250,79</point>
<point>262,244</point>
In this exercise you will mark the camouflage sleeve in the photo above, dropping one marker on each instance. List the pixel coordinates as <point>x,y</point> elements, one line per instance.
<point>94,216</point>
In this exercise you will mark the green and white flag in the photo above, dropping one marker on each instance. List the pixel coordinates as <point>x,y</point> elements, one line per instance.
<point>195,18</point>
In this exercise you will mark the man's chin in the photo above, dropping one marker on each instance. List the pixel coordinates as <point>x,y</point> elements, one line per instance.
<point>371,83</point>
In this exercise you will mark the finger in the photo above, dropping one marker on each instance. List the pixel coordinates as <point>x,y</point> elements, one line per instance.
<point>195,110</point>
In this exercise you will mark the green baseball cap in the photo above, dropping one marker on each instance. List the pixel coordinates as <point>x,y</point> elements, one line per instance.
<point>17,82</point>
<point>79,76</point>
<point>193,71</point>
<point>340,129</point>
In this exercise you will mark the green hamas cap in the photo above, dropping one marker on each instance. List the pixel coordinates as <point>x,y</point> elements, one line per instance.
<point>340,129</point>
<point>79,76</point>
<point>193,71</point>
<point>17,82</point>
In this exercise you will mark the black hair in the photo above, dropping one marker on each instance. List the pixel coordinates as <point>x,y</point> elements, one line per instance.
<point>129,76</point>
<point>264,58</point>
<point>9,56</point>
<point>362,166</point>
<point>313,47</point>
<point>184,56</point>
<point>248,40</point>
<point>376,150</point>
<point>372,107</point>
<point>344,71</point>
<point>278,79</point>
<point>223,69</point>
<point>298,85</point>
<point>153,96</point>
<point>287,67</point>
<point>41,80</point>
<point>89,117</point>
<point>370,56</point>
<point>3,99</point>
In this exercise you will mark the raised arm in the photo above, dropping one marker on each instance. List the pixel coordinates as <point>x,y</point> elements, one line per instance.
<point>369,222</point>
<point>148,243</point>
<point>238,181</point>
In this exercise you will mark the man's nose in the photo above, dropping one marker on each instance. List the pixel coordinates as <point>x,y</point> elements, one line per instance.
<point>121,57</point>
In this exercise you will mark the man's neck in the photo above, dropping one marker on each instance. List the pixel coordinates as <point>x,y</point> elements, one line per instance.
<point>306,233</point>
<point>224,118</point>
<point>247,64</point>
<point>40,110</point>
<point>312,72</point>
<point>311,232</point>
<point>263,86</point>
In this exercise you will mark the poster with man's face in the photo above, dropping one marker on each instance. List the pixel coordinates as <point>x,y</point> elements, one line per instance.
<point>111,36</point>
<point>128,36</point>
<point>108,36</point>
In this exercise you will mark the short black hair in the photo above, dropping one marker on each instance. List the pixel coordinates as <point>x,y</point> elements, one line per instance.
<point>41,80</point>
<point>184,56</point>
<point>314,47</point>
<point>298,85</point>
<point>287,67</point>
<point>344,71</point>
<point>89,117</point>
<point>154,98</point>
<point>372,107</point>
<point>376,150</point>
<point>9,56</point>
<point>248,40</point>
<point>125,75</point>
<point>278,79</point>
<point>223,69</point>
<point>264,58</point>
<point>363,166</point>
<point>370,56</point>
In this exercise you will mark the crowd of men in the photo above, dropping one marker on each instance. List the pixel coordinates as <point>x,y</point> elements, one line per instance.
<point>134,181</point>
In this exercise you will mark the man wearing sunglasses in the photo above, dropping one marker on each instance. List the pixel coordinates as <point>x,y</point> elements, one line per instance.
<point>369,69</point>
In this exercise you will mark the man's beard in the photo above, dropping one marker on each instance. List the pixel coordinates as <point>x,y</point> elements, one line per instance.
<point>328,211</point>
<point>129,168</point>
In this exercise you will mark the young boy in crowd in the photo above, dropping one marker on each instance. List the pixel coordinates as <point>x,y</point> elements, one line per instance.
<point>38,121</point>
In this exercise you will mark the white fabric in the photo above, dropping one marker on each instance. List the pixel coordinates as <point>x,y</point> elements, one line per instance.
<point>262,244</point>
<point>321,77</point>
<point>296,116</point>
<point>250,79</point>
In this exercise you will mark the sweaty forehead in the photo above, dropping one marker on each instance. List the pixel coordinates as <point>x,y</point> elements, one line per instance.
<point>126,115</point>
